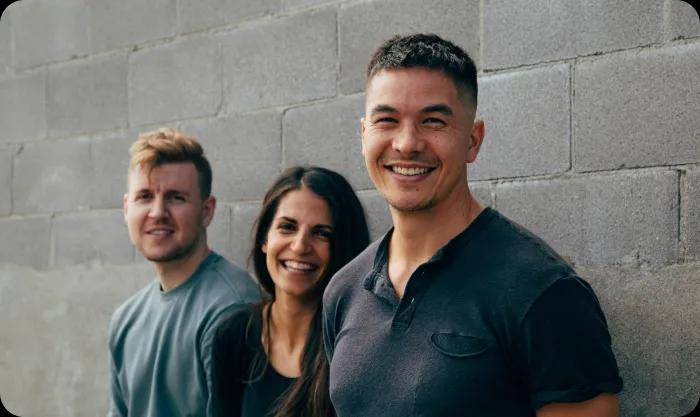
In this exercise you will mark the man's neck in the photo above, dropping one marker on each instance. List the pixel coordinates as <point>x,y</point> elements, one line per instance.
<point>172,274</point>
<point>418,235</point>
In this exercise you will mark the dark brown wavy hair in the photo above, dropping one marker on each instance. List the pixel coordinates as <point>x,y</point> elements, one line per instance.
<point>308,397</point>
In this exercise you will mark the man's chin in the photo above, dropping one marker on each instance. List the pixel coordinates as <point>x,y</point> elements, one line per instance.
<point>412,206</point>
<point>170,256</point>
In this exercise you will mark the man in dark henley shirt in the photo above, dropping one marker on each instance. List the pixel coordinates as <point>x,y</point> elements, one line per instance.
<point>456,311</point>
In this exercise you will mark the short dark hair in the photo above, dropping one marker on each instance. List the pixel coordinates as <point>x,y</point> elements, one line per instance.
<point>427,50</point>
<point>168,145</point>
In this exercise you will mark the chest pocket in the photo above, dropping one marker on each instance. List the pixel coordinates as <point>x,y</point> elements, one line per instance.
<point>458,375</point>
<point>458,345</point>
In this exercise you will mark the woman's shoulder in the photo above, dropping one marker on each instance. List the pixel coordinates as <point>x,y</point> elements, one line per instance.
<point>241,322</point>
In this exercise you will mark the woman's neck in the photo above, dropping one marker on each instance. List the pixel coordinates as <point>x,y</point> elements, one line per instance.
<point>289,325</point>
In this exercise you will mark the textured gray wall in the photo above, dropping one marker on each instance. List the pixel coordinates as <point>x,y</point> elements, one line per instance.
<point>593,142</point>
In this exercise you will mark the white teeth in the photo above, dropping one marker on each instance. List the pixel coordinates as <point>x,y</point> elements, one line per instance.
<point>302,266</point>
<point>409,171</point>
<point>160,232</point>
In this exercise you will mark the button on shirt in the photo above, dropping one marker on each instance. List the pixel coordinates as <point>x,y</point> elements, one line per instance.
<point>494,324</point>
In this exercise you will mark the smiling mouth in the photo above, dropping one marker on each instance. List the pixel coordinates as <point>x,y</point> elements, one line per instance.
<point>160,232</point>
<point>410,171</point>
<point>297,266</point>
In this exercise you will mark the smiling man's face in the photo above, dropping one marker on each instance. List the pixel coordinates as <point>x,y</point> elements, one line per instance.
<point>164,212</point>
<point>417,136</point>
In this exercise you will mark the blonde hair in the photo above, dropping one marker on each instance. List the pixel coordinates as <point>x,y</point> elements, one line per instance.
<point>167,145</point>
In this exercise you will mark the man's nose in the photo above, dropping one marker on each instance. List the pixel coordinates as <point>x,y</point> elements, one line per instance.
<point>408,140</point>
<point>158,208</point>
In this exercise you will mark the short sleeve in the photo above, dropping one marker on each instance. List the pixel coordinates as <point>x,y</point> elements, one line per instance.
<point>565,347</point>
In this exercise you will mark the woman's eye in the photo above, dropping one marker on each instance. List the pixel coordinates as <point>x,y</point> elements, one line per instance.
<point>285,226</point>
<point>324,234</point>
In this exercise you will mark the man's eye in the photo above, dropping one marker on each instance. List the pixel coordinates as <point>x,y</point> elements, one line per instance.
<point>142,196</point>
<point>385,120</point>
<point>178,198</point>
<point>434,121</point>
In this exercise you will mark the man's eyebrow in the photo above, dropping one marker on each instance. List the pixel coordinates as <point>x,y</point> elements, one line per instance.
<point>439,108</point>
<point>382,108</point>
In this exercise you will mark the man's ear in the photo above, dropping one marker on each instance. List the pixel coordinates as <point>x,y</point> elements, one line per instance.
<point>476,138</point>
<point>208,209</point>
<point>362,134</point>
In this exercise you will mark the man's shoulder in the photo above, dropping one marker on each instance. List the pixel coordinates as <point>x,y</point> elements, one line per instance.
<point>513,245</point>
<point>351,275</point>
<point>226,282</point>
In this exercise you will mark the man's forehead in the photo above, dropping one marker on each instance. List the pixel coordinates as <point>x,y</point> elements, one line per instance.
<point>171,175</point>
<point>419,88</point>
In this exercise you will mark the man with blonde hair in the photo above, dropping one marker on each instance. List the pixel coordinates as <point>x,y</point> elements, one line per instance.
<point>160,338</point>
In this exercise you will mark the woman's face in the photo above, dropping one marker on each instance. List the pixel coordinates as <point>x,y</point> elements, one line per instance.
<point>297,247</point>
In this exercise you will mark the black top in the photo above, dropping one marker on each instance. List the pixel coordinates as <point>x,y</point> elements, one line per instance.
<point>236,344</point>
<point>494,324</point>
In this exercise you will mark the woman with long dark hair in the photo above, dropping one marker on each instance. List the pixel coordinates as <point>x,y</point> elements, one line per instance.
<point>268,358</point>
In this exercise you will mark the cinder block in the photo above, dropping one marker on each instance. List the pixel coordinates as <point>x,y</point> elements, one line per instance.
<point>245,153</point>
<point>5,42</point>
<point>48,31</point>
<point>680,20</point>
<point>692,221</point>
<point>526,32</point>
<point>87,96</point>
<point>94,236</point>
<point>26,241</point>
<point>651,316</point>
<point>110,159</point>
<point>23,107</point>
<point>526,114</point>
<point>127,22</point>
<point>365,25</point>
<point>5,181</point>
<point>202,14</point>
<point>328,135</point>
<point>637,109</point>
<point>60,317</point>
<point>176,81</point>
<point>621,219</point>
<point>376,212</point>
<point>284,61</point>
<point>53,176</point>
<point>219,231</point>
<point>244,215</point>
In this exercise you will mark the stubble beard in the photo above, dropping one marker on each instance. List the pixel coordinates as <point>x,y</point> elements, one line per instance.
<point>177,253</point>
<point>421,206</point>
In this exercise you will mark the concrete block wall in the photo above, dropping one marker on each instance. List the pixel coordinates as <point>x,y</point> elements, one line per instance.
<point>592,141</point>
